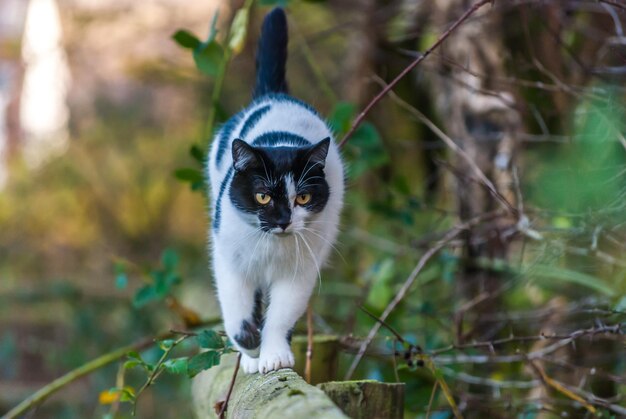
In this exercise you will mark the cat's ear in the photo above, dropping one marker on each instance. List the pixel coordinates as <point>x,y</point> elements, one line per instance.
<point>318,152</point>
<point>244,155</point>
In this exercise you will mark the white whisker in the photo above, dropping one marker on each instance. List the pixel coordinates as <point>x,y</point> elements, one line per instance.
<point>316,232</point>
<point>319,274</point>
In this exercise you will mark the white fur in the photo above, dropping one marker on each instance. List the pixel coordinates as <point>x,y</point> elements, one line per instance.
<point>245,258</point>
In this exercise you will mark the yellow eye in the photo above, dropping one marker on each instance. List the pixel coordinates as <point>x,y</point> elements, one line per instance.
<point>303,199</point>
<point>263,199</point>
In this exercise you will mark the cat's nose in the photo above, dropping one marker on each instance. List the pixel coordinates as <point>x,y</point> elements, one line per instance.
<point>284,226</point>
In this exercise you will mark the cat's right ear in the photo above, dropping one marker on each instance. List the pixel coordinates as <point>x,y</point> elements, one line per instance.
<point>244,155</point>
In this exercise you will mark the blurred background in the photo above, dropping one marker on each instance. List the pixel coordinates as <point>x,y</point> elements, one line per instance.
<point>513,132</point>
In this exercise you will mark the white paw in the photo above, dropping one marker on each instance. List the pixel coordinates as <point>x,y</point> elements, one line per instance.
<point>274,360</point>
<point>249,365</point>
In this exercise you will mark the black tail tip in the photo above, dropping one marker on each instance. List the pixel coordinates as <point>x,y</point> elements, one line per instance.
<point>275,19</point>
<point>276,13</point>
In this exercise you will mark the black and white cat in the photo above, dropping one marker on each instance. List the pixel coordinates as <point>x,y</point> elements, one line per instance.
<point>277,185</point>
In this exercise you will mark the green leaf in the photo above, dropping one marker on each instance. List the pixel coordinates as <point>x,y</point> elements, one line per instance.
<point>197,153</point>
<point>169,259</point>
<point>189,175</point>
<point>146,294</point>
<point>380,292</point>
<point>176,365</point>
<point>202,361</point>
<point>208,57</point>
<point>186,39</point>
<point>121,281</point>
<point>238,31</point>
<point>132,364</point>
<point>281,3</point>
<point>341,117</point>
<point>621,304</point>
<point>127,393</point>
<point>166,344</point>
<point>575,277</point>
<point>210,339</point>
<point>134,355</point>
<point>449,263</point>
<point>366,150</point>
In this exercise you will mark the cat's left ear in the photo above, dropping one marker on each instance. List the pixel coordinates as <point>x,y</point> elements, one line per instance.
<point>244,155</point>
<point>318,152</point>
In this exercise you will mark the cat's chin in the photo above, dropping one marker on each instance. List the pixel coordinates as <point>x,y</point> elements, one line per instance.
<point>282,233</point>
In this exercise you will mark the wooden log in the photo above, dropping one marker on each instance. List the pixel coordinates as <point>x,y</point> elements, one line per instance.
<point>367,398</point>
<point>281,393</point>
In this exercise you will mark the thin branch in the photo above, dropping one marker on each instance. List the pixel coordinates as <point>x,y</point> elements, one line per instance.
<point>158,369</point>
<point>551,382</point>
<point>359,119</point>
<point>432,398</point>
<point>230,388</point>
<point>384,323</point>
<point>614,3</point>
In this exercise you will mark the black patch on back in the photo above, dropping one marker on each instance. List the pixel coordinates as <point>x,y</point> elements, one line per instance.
<point>276,164</point>
<point>252,120</point>
<point>249,336</point>
<point>217,215</point>
<point>225,134</point>
<point>273,138</point>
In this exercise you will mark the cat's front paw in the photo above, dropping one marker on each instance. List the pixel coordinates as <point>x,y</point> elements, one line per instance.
<point>275,359</point>
<point>249,365</point>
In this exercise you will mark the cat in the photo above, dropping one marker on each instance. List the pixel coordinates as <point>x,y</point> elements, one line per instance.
<point>276,188</point>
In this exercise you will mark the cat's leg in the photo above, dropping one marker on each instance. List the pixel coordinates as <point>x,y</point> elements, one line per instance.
<point>240,302</point>
<point>288,301</point>
<point>249,365</point>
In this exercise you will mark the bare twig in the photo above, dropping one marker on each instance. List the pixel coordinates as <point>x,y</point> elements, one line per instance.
<point>359,119</point>
<point>593,331</point>
<point>230,388</point>
<point>614,3</point>
<point>432,398</point>
<point>551,382</point>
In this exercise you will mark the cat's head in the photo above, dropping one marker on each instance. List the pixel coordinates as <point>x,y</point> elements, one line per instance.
<point>280,188</point>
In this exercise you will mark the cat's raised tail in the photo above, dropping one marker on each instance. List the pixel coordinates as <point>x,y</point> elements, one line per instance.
<point>271,55</point>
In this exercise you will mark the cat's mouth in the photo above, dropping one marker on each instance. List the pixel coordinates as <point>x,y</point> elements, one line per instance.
<point>280,232</point>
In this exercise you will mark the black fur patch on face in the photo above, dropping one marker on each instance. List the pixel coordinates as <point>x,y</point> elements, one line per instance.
<point>249,337</point>
<point>266,169</point>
